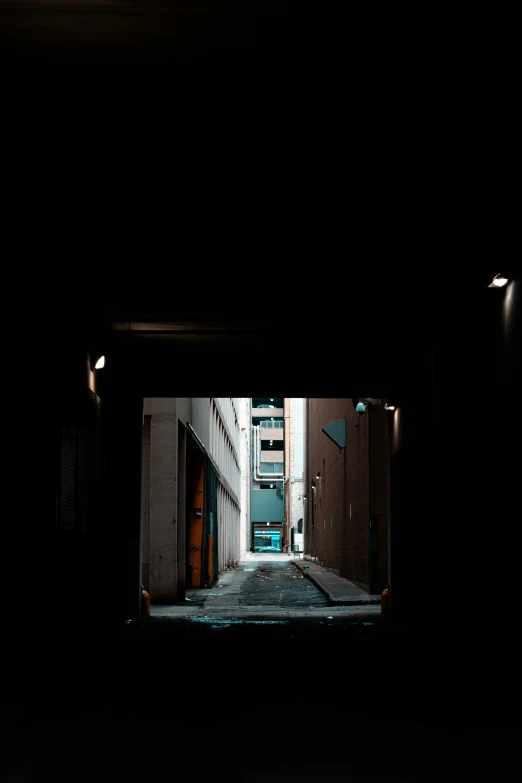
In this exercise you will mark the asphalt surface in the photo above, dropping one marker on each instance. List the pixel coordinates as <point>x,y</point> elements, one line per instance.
<point>261,678</point>
<point>269,596</point>
<point>274,583</point>
<point>267,582</point>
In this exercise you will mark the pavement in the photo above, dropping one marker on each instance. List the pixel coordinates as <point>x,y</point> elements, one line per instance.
<point>344,599</point>
<point>338,703</point>
<point>339,591</point>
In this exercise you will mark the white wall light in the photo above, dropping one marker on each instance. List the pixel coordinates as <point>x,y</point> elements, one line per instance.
<point>498,281</point>
<point>100,362</point>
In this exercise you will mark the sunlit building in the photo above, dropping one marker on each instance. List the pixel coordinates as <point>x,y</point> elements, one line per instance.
<point>277,474</point>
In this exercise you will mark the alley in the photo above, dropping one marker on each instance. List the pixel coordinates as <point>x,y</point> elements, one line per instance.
<point>378,712</point>
<point>279,583</point>
<point>260,580</point>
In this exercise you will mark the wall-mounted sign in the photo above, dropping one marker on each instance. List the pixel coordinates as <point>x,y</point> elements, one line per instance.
<point>336,431</point>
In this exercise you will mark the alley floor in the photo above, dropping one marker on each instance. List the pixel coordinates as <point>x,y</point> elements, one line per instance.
<point>273,684</point>
<point>272,582</point>
<point>269,595</point>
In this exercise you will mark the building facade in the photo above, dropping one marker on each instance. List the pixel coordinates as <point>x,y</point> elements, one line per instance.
<point>294,487</point>
<point>453,486</point>
<point>268,476</point>
<point>347,509</point>
<point>245,527</point>
<point>277,474</point>
<point>191,488</point>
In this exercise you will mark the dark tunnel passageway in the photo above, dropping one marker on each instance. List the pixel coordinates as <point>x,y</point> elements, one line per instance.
<point>162,210</point>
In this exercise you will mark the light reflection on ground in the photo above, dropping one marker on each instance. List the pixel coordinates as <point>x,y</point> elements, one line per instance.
<point>223,623</point>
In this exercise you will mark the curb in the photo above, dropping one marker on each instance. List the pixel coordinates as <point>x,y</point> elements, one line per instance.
<point>312,571</point>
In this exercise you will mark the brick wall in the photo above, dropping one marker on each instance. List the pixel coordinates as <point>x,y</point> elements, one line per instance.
<point>352,485</point>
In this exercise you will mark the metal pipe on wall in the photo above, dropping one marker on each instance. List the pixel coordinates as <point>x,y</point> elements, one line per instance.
<point>257,445</point>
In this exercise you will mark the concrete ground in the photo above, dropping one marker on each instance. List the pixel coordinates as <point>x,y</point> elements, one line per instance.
<point>321,593</point>
<point>275,691</point>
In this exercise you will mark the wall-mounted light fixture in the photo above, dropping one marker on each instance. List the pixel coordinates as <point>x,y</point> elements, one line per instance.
<point>498,281</point>
<point>318,475</point>
<point>389,406</point>
<point>360,408</point>
<point>99,363</point>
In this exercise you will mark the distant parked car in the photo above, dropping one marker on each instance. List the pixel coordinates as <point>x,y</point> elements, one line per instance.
<point>267,549</point>
<point>266,406</point>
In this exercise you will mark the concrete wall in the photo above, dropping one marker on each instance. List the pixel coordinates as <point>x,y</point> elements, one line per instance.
<point>146,502</point>
<point>225,450</point>
<point>455,485</point>
<point>267,413</point>
<point>185,409</point>
<point>216,425</point>
<point>295,468</point>
<point>162,498</point>
<point>272,456</point>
